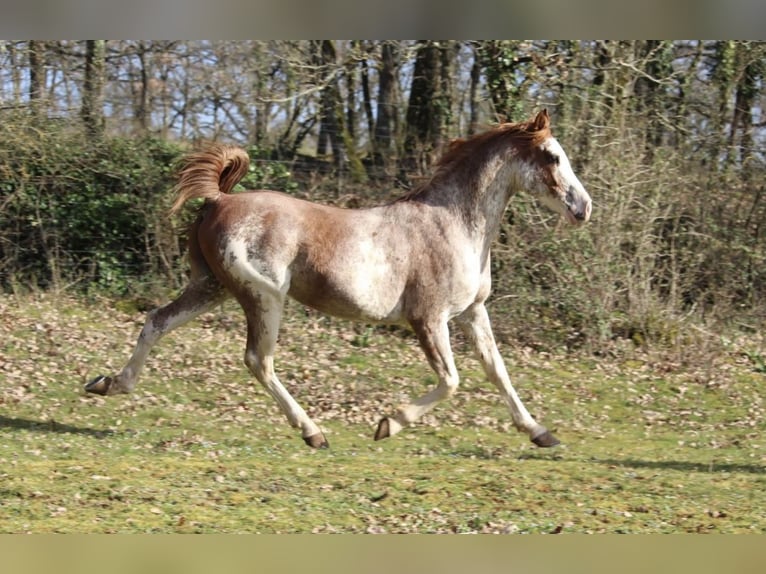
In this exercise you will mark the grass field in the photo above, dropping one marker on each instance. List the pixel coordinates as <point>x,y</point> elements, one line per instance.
<point>648,446</point>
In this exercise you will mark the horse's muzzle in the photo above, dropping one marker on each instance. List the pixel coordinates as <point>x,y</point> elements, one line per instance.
<point>583,215</point>
<point>578,204</point>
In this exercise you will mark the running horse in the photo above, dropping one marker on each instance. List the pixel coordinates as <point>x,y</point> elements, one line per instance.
<point>421,260</point>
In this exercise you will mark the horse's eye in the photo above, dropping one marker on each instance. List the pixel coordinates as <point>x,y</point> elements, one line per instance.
<point>550,158</point>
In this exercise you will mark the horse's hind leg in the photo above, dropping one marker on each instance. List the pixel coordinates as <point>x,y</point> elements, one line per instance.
<point>264,314</point>
<point>202,294</point>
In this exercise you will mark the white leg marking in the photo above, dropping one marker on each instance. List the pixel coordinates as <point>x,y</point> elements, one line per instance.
<point>264,312</point>
<point>434,339</point>
<point>476,325</point>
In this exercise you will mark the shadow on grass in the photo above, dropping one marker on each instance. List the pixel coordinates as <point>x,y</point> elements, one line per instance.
<point>683,466</point>
<point>711,466</point>
<point>51,426</point>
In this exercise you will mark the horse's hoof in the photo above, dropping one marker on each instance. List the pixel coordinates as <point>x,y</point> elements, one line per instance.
<point>99,386</point>
<point>384,430</point>
<point>545,440</point>
<point>387,427</point>
<point>316,441</point>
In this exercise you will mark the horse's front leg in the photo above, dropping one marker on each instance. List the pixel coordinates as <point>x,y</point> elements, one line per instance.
<point>200,295</point>
<point>434,340</point>
<point>475,324</point>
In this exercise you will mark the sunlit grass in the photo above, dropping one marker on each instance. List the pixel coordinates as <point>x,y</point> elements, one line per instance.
<point>199,447</point>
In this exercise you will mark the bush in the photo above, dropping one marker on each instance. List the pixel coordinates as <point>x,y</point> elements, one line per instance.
<point>266,173</point>
<point>79,211</point>
<point>666,250</point>
<point>94,213</point>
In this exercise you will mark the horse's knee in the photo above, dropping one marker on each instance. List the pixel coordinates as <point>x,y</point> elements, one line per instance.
<point>256,365</point>
<point>252,362</point>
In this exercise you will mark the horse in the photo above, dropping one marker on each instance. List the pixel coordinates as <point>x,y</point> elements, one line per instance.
<point>421,260</point>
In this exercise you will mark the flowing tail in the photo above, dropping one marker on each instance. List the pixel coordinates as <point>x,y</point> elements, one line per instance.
<point>209,173</point>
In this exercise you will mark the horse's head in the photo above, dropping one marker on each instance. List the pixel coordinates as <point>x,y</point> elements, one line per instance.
<point>553,181</point>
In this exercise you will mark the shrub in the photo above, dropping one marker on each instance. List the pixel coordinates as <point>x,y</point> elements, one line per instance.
<point>79,211</point>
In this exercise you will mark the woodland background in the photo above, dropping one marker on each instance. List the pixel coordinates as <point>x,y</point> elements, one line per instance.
<point>667,136</point>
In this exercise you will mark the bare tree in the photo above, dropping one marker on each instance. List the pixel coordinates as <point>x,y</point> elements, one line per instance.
<point>383,140</point>
<point>36,75</point>
<point>92,111</point>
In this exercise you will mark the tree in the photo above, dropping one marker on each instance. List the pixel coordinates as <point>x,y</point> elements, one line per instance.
<point>93,87</point>
<point>385,123</point>
<point>330,135</point>
<point>653,59</point>
<point>364,75</point>
<point>750,72</point>
<point>426,109</point>
<point>504,65</point>
<point>36,76</point>
<point>473,120</point>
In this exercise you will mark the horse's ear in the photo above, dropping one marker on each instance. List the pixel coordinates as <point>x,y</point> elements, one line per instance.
<point>542,120</point>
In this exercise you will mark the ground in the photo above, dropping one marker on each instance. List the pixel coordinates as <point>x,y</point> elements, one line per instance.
<point>648,446</point>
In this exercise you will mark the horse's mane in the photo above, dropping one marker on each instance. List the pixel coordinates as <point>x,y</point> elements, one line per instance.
<point>469,151</point>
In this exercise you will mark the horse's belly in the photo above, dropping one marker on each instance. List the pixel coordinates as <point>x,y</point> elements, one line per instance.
<point>361,297</point>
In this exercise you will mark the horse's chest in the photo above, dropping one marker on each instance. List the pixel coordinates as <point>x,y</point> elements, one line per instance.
<point>453,279</point>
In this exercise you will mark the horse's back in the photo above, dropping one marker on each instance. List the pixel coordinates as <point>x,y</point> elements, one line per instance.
<point>340,261</point>
<point>383,264</point>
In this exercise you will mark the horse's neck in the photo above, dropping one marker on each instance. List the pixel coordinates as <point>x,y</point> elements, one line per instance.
<point>491,191</point>
<point>477,199</point>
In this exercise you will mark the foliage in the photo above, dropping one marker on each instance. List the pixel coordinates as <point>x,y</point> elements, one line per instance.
<point>77,210</point>
<point>667,137</point>
<point>506,69</point>
<point>264,173</point>
<point>93,213</point>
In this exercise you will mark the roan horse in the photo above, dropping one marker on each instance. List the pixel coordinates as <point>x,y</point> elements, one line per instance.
<point>421,260</point>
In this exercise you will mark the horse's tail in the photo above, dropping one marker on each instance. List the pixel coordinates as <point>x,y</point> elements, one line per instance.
<point>209,173</point>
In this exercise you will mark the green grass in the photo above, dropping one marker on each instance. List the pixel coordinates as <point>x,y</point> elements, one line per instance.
<point>199,447</point>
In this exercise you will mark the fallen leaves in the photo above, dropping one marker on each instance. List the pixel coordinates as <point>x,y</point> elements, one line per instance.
<point>201,447</point>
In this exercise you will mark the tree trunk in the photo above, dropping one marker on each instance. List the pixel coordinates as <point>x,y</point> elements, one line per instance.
<point>350,72</point>
<point>384,124</point>
<point>141,92</point>
<point>723,75</point>
<point>446,97</point>
<point>367,99</point>
<point>424,113</point>
<point>329,128</point>
<point>752,65</point>
<point>653,59</point>
<point>473,119</point>
<point>684,96</point>
<point>93,87</point>
<point>36,75</point>
<point>262,108</point>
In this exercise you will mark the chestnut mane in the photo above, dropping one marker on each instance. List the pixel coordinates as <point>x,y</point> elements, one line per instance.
<point>468,154</point>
